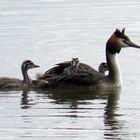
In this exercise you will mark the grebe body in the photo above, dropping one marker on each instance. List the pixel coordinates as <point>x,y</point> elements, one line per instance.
<point>17,84</point>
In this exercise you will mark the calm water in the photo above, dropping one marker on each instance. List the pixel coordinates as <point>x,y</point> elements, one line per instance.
<point>51,31</point>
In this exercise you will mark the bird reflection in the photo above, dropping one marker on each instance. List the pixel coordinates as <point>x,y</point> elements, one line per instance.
<point>73,98</point>
<point>76,98</point>
<point>25,100</point>
<point>111,122</point>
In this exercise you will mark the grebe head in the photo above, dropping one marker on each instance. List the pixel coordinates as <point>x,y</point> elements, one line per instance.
<point>75,62</point>
<point>119,40</point>
<point>28,64</point>
<point>103,67</point>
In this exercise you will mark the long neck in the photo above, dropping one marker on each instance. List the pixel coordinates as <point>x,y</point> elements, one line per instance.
<point>26,78</point>
<point>114,71</point>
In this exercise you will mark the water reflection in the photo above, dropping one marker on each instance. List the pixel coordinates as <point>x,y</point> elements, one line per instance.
<point>73,99</point>
<point>110,117</point>
<point>25,100</point>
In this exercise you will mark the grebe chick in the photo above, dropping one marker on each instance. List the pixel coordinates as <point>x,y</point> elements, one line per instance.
<point>73,68</point>
<point>90,77</point>
<point>16,84</point>
<point>103,67</point>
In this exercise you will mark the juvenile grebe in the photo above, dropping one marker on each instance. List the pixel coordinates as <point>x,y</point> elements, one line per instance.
<point>89,77</point>
<point>103,67</point>
<point>73,66</point>
<point>16,84</point>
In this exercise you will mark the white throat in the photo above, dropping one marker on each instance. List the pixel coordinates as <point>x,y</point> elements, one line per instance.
<point>114,75</point>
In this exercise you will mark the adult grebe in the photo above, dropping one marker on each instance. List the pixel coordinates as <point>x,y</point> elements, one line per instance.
<point>89,77</point>
<point>16,84</point>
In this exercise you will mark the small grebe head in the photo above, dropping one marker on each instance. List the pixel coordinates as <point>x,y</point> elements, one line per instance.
<point>103,67</point>
<point>75,62</point>
<point>28,64</point>
<point>119,40</point>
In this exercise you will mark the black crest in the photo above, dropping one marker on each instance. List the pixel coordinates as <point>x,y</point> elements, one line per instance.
<point>121,34</point>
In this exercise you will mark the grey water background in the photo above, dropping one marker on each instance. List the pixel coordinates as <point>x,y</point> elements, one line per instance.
<point>52,31</point>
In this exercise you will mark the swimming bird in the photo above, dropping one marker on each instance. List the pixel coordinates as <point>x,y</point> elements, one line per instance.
<point>16,84</point>
<point>103,67</point>
<point>89,77</point>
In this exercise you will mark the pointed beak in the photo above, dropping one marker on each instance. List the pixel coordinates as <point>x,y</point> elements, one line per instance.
<point>36,66</point>
<point>131,44</point>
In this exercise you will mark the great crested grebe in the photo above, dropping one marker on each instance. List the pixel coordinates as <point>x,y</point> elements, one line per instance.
<point>89,77</point>
<point>13,83</point>
<point>103,67</point>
